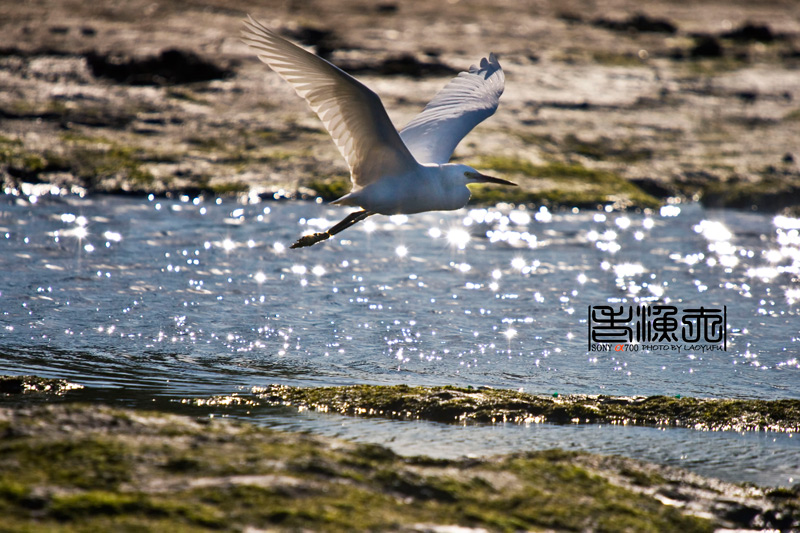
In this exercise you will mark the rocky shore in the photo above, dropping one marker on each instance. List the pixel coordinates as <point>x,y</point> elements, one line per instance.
<point>68,466</point>
<point>606,104</point>
<point>613,103</point>
<point>486,405</point>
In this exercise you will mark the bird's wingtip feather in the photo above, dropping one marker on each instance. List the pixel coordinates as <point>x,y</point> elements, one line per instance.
<point>252,26</point>
<point>488,65</point>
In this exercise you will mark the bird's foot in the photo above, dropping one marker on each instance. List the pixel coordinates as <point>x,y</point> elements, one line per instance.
<point>309,240</point>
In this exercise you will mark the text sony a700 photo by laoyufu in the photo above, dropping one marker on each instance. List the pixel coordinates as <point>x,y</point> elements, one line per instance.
<point>657,327</point>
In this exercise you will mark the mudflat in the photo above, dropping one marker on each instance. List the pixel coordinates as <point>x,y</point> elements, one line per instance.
<point>613,103</point>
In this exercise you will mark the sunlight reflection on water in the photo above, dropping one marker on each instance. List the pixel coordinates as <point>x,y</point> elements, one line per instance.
<point>445,287</point>
<point>204,296</point>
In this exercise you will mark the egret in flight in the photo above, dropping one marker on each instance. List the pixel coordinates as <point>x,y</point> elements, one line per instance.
<point>392,172</point>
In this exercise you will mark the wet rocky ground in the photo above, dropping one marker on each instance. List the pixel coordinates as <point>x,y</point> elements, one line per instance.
<point>75,467</point>
<point>486,405</point>
<point>606,103</point>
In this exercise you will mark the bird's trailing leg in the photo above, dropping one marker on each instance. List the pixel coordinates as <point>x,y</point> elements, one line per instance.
<point>352,218</point>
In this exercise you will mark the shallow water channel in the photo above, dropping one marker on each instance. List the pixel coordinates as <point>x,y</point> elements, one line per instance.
<point>156,302</point>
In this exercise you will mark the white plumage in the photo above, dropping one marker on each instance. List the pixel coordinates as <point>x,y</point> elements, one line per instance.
<point>469,99</point>
<point>392,173</point>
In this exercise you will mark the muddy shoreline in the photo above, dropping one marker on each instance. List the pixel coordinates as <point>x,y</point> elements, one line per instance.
<point>604,105</point>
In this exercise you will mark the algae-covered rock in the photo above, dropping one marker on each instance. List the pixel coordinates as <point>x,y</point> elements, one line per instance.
<point>89,468</point>
<point>13,385</point>
<point>459,405</point>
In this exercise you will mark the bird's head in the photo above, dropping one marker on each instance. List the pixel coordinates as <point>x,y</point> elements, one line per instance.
<point>454,180</point>
<point>470,175</point>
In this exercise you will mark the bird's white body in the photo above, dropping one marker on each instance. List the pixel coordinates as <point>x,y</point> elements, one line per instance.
<point>393,172</point>
<point>429,187</point>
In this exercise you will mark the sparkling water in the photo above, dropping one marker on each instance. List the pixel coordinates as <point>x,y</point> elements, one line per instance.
<point>152,301</point>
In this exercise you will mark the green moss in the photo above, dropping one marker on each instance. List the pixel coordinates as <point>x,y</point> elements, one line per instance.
<point>456,405</point>
<point>94,158</point>
<point>550,170</point>
<point>9,140</point>
<point>120,470</point>
<point>643,478</point>
<point>186,95</point>
<point>712,66</point>
<point>182,464</point>
<point>782,493</point>
<point>792,116</point>
<point>340,507</point>
<point>12,491</point>
<point>72,506</point>
<point>121,161</point>
<point>268,135</point>
<point>20,160</point>
<point>567,497</point>
<point>398,496</point>
<point>331,188</point>
<point>100,504</point>
<point>87,463</point>
<point>95,114</point>
<point>605,148</point>
<point>568,185</point>
<point>246,148</point>
<point>208,143</point>
<point>11,385</point>
<point>230,187</point>
<point>33,163</point>
<point>771,193</point>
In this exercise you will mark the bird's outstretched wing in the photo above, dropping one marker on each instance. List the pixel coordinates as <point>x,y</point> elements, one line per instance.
<point>462,104</point>
<point>352,114</point>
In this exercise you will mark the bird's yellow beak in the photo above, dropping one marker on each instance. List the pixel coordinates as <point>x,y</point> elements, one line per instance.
<point>477,177</point>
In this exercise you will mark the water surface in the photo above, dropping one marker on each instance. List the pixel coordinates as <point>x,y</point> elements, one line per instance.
<point>154,301</point>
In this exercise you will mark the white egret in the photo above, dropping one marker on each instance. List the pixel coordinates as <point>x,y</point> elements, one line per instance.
<point>392,172</point>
